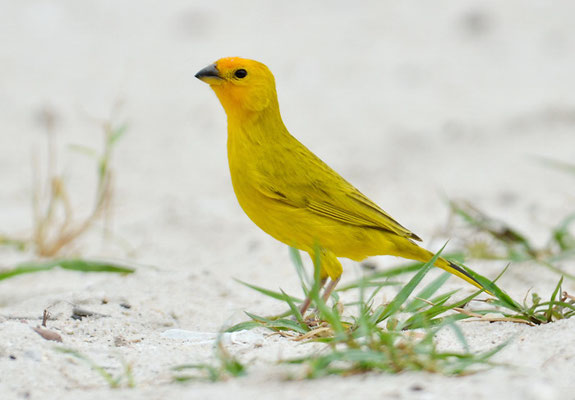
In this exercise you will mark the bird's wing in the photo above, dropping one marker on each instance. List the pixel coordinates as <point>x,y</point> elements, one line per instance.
<point>323,192</point>
<point>356,209</point>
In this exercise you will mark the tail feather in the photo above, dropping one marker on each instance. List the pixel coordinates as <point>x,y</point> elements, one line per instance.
<point>420,254</point>
<point>459,272</point>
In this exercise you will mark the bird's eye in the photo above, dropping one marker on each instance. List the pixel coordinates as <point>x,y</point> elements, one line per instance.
<point>241,73</point>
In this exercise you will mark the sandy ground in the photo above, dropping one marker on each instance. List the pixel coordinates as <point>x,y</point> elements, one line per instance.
<point>411,101</point>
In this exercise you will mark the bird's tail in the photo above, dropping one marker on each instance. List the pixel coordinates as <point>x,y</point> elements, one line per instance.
<point>420,254</point>
<point>459,272</point>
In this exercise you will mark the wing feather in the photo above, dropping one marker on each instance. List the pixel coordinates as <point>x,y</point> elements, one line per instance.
<point>352,208</point>
<point>320,190</point>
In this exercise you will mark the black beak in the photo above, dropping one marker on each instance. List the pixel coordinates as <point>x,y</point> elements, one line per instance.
<point>208,73</point>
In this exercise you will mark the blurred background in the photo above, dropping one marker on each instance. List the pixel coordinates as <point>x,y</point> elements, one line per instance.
<point>412,101</point>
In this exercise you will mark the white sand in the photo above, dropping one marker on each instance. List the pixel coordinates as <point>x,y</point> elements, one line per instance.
<point>435,98</point>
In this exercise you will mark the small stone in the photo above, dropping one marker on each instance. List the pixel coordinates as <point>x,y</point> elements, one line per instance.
<point>48,334</point>
<point>416,387</point>
<point>120,341</point>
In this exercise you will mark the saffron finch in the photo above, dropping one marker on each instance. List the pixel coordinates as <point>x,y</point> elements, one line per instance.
<point>289,192</point>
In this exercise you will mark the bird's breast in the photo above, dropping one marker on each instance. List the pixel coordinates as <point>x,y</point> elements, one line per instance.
<point>250,167</point>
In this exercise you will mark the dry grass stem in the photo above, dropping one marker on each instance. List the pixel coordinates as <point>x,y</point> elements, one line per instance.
<point>55,225</point>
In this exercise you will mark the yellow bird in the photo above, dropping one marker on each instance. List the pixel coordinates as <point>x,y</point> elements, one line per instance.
<point>289,192</point>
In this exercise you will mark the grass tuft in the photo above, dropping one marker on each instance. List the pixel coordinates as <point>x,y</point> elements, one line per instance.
<point>508,244</point>
<point>398,335</point>
<point>56,226</point>
<point>379,337</point>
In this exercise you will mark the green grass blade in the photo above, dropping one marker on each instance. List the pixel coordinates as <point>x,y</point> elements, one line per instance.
<point>395,305</point>
<point>504,298</point>
<point>557,164</point>
<point>246,325</point>
<point>94,266</point>
<point>17,244</point>
<point>367,283</point>
<point>396,271</point>
<point>500,231</point>
<point>69,264</point>
<point>425,318</point>
<point>329,315</point>
<point>427,292</point>
<point>304,278</point>
<point>562,236</point>
<point>295,312</point>
<point>258,318</point>
<point>549,313</point>
<point>278,324</point>
<point>267,292</point>
<point>459,335</point>
<point>117,133</point>
<point>286,324</point>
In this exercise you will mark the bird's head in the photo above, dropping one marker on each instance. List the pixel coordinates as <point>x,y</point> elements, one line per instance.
<point>242,85</point>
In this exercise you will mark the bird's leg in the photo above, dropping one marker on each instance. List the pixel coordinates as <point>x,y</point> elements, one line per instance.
<point>327,292</point>
<point>307,301</point>
<point>328,265</point>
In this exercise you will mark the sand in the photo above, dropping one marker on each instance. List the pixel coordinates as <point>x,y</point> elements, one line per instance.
<point>411,101</point>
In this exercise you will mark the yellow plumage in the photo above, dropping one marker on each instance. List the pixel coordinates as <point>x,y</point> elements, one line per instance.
<point>288,191</point>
